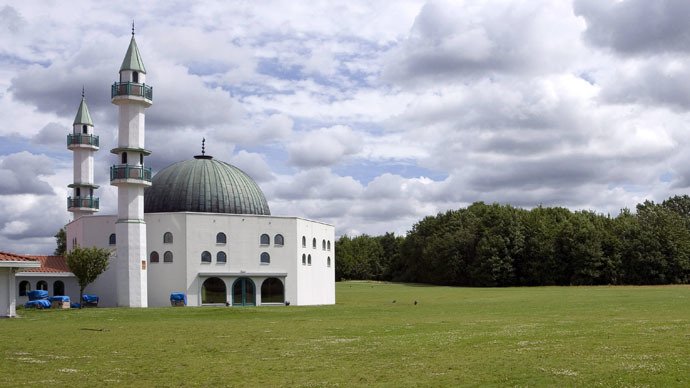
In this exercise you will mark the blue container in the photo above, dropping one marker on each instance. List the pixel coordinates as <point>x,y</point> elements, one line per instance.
<point>37,295</point>
<point>38,304</point>
<point>89,300</point>
<point>178,299</point>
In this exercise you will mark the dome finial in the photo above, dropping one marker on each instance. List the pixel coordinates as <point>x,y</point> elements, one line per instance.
<point>82,91</point>
<point>132,27</point>
<point>203,151</point>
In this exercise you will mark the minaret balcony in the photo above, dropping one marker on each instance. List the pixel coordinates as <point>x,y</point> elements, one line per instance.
<point>82,203</point>
<point>126,173</point>
<point>80,140</point>
<point>124,90</point>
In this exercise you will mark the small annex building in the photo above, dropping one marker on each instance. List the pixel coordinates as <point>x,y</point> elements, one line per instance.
<point>10,264</point>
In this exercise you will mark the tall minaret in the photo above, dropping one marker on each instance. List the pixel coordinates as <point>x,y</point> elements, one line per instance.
<point>132,96</point>
<point>83,143</point>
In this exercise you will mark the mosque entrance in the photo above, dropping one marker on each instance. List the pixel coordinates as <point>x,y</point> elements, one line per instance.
<point>243,292</point>
<point>213,291</point>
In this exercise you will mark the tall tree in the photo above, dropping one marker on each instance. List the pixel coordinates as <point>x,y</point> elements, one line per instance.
<point>61,241</point>
<point>87,264</point>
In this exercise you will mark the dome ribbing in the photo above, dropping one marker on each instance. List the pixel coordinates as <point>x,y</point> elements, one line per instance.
<point>204,185</point>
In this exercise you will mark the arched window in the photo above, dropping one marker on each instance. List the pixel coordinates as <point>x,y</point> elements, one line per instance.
<point>304,259</point>
<point>124,158</point>
<point>221,238</point>
<point>78,192</point>
<point>278,240</point>
<point>328,261</point>
<point>24,287</point>
<point>167,238</point>
<point>58,288</point>
<point>154,258</point>
<point>112,240</point>
<point>221,257</point>
<point>304,242</point>
<point>323,245</point>
<point>135,77</point>
<point>213,291</point>
<point>313,243</point>
<point>272,291</point>
<point>265,258</point>
<point>329,245</point>
<point>84,129</point>
<point>309,260</point>
<point>205,257</point>
<point>168,257</point>
<point>265,239</point>
<point>141,159</point>
<point>42,285</point>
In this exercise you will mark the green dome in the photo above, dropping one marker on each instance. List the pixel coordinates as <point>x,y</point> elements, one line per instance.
<point>204,185</point>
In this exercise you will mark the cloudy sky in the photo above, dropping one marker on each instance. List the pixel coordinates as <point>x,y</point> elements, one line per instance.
<point>366,114</point>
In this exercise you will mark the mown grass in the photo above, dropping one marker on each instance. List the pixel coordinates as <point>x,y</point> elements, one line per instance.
<point>544,336</point>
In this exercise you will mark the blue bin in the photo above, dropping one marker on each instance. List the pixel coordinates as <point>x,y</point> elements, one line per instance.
<point>178,299</point>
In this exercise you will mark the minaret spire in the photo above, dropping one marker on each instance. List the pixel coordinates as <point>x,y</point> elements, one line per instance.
<point>83,143</point>
<point>132,96</point>
<point>203,146</point>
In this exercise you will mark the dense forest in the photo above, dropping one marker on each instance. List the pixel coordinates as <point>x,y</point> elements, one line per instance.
<point>500,245</point>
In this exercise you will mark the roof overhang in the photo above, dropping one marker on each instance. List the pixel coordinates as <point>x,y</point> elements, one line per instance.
<point>19,264</point>
<point>241,274</point>
<point>46,274</point>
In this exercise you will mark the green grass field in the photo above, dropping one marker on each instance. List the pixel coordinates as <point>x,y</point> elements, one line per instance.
<point>544,336</point>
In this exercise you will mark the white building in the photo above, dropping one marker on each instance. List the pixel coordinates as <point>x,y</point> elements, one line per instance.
<point>200,226</point>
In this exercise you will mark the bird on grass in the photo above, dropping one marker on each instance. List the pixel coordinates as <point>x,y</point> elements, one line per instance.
<point>415,302</point>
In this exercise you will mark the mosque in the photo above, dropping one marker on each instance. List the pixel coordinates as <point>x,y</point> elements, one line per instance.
<point>200,226</point>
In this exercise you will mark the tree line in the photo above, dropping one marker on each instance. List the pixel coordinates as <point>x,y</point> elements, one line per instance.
<point>501,245</point>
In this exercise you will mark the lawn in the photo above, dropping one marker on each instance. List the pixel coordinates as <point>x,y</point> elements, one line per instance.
<point>374,336</point>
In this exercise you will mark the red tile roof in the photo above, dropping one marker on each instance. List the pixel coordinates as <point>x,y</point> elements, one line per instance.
<point>52,264</point>
<point>6,256</point>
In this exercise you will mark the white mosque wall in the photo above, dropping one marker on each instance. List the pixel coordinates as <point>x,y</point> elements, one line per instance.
<point>95,231</point>
<point>166,277</point>
<point>316,281</point>
<point>194,233</point>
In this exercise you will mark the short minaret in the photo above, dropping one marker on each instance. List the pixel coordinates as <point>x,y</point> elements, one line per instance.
<point>132,96</point>
<point>83,143</point>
